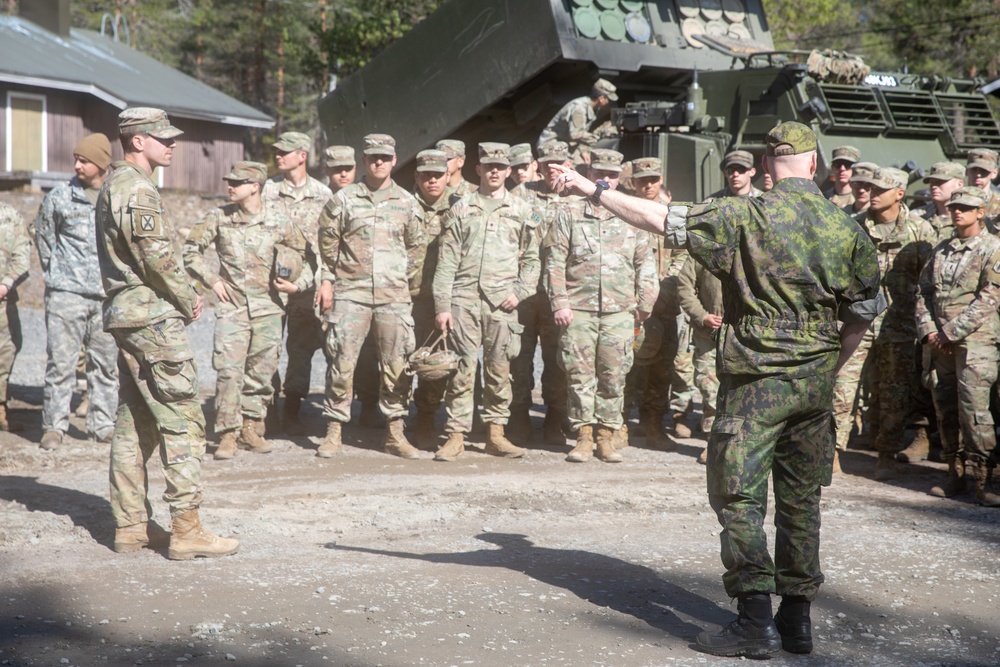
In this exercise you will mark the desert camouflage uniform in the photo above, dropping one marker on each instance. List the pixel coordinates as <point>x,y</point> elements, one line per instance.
<point>489,251</point>
<point>248,328</point>
<point>305,332</point>
<point>148,301</point>
<point>792,265</point>
<point>700,295</point>
<point>572,124</point>
<point>370,248</point>
<point>67,252</point>
<point>602,269</point>
<point>15,248</point>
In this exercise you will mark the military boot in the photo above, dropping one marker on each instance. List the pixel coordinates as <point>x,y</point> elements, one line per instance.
<point>251,439</point>
<point>423,430</point>
<point>452,448</point>
<point>519,425</point>
<point>918,449</point>
<point>681,429</point>
<point>7,424</point>
<point>290,415</point>
<point>703,457</point>
<point>371,416</point>
<point>606,445</point>
<point>498,445</point>
<point>331,443</point>
<point>584,448</point>
<point>836,470</point>
<point>621,438</point>
<point>752,634</point>
<point>51,440</point>
<point>955,484</point>
<point>885,467</point>
<point>793,624</point>
<point>190,540</point>
<point>227,446</point>
<point>139,536</point>
<point>656,437</point>
<point>84,407</point>
<point>271,424</point>
<point>552,428</point>
<point>396,442</point>
<point>985,493</point>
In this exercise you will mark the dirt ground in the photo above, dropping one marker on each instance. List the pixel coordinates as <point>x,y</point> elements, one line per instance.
<point>367,560</point>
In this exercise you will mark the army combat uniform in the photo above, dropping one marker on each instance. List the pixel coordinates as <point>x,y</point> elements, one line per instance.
<point>700,295</point>
<point>15,248</point>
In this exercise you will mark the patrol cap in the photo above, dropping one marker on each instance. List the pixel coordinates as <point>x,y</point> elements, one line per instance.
<point>453,147</point>
<point>983,158</point>
<point>740,158</point>
<point>147,120</point>
<point>340,156</point>
<point>862,172</point>
<point>553,151</point>
<point>605,87</point>
<point>848,154</point>
<point>380,144</point>
<point>494,153</point>
<point>293,141</point>
<point>606,159</point>
<point>287,261</point>
<point>244,170</point>
<point>888,178</point>
<point>790,138</point>
<point>647,166</point>
<point>945,171</point>
<point>433,161</point>
<point>520,154</point>
<point>968,196</point>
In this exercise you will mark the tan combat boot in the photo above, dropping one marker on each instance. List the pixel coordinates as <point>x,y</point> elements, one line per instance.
<point>985,495</point>
<point>918,449</point>
<point>681,429</point>
<point>396,442</point>
<point>584,445</point>
<point>51,440</point>
<point>423,430</point>
<point>7,424</point>
<point>497,443</point>
<point>955,484</point>
<point>331,443</point>
<point>885,467</point>
<point>227,446</point>
<point>621,438</point>
<point>84,407</point>
<point>452,448</point>
<point>290,415</point>
<point>251,439</point>
<point>190,540</point>
<point>606,445</point>
<point>703,457</point>
<point>140,536</point>
<point>552,428</point>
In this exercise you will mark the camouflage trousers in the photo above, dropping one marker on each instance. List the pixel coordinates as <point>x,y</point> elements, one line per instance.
<point>348,326</point>
<point>668,380</point>
<point>850,391</point>
<point>891,378</point>
<point>962,382</point>
<point>535,315</point>
<point>499,335</point>
<point>305,336</point>
<point>429,393</point>
<point>366,375</point>
<point>246,358</point>
<point>595,350</point>
<point>72,320</point>
<point>771,426</point>
<point>10,343</point>
<point>705,378</point>
<point>158,412</point>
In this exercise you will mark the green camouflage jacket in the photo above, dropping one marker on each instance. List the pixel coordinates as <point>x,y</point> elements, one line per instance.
<point>300,205</point>
<point>433,226</point>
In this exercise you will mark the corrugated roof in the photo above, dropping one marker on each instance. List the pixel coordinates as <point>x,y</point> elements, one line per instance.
<point>87,62</point>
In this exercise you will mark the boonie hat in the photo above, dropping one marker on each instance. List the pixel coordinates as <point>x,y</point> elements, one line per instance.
<point>739,158</point>
<point>380,144</point>
<point>553,151</point>
<point>453,147</point>
<point>433,161</point>
<point>790,138</point>
<point>888,178</point>
<point>846,154</point>
<point>494,153</point>
<point>520,154</point>
<point>945,171</point>
<point>244,170</point>
<point>293,141</point>
<point>606,159</point>
<point>605,87</point>
<point>340,156</point>
<point>147,120</point>
<point>647,166</point>
<point>983,158</point>
<point>862,172</point>
<point>968,196</point>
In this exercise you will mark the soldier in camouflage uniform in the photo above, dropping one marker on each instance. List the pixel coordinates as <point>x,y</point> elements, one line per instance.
<point>944,178</point>
<point>801,286</point>
<point>458,187</point>
<point>573,124</point>
<point>957,317</point>
<point>861,188</point>
<point>15,248</point>
<point>739,171</point>
<point>251,301</point>
<point>535,314</point>
<point>340,166</point>
<point>980,171</point>
<point>523,165</point>
<point>300,198</point>
<point>371,240</point>
<point>488,263</point>
<point>67,252</point>
<point>841,169</point>
<point>148,304</point>
<point>602,283</point>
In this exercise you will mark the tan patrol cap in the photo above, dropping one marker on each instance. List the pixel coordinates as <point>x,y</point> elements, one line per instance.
<point>647,166</point>
<point>945,171</point>
<point>790,138</point>
<point>862,172</point>
<point>983,158</point>
<point>293,141</point>
<point>147,120</point>
<point>494,153</point>
<point>520,154</point>
<point>605,87</point>
<point>340,156</point>
<point>433,161</point>
<point>888,178</point>
<point>453,147</point>
<point>553,151</point>
<point>740,158</point>
<point>606,160</point>
<point>287,261</point>
<point>380,144</point>
<point>244,170</point>
<point>969,196</point>
<point>846,154</point>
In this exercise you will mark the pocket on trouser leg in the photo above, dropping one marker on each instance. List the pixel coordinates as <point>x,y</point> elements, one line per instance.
<point>725,457</point>
<point>174,379</point>
<point>514,339</point>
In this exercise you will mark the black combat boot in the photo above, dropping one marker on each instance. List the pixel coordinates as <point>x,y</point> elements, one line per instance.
<point>752,633</point>
<point>792,622</point>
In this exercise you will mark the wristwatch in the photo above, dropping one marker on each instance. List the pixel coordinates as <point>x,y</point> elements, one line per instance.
<point>601,187</point>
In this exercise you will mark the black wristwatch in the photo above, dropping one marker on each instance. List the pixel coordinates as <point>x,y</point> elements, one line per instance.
<point>601,187</point>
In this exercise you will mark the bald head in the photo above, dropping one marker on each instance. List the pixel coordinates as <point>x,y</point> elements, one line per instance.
<point>802,165</point>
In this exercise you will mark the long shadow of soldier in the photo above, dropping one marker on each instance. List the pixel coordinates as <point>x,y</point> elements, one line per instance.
<point>92,513</point>
<point>605,581</point>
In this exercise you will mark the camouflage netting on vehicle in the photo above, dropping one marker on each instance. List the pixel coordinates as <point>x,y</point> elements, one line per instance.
<point>837,67</point>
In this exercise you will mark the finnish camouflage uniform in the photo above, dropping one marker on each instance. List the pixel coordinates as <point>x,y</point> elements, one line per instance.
<point>67,251</point>
<point>793,267</point>
<point>959,296</point>
<point>700,295</point>
<point>488,251</point>
<point>148,301</point>
<point>247,328</point>
<point>370,247</point>
<point>572,124</point>
<point>305,331</point>
<point>15,248</point>
<point>602,269</point>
